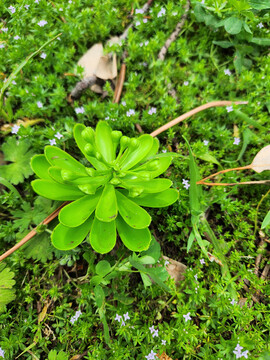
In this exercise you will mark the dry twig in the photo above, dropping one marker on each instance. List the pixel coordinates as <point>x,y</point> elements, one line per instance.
<point>173,36</point>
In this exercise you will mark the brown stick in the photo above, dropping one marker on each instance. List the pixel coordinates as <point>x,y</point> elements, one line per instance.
<point>176,32</point>
<point>265,271</point>
<point>253,297</point>
<point>33,232</point>
<point>232,184</point>
<point>193,112</point>
<point>119,85</point>
<point>259,257</point>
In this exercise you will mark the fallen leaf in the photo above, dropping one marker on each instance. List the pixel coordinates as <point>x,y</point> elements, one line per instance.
<point>175,269</point>
<point>164,356</point>
<point>89,61</point>
<point>261,161</point>
<point>214,258</point>
<point>107,67</point>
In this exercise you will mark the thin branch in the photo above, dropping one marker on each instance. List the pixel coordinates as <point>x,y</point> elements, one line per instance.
<point>265,271</point>
<point>82,85</point>
<point>193,112</point>
<point>259,257</point>
<point>232,184</point>
<point>119,85</point>
<point>176,32</point>
<point>33,232</point>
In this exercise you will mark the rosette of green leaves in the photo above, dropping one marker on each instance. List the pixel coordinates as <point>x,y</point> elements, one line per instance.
<point>106,197</point>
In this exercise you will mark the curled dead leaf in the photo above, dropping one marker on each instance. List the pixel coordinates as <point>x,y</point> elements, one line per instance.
<point>175,269</point>
<point>89,61</point>
<point>261,161</point>
<point>164,356</point>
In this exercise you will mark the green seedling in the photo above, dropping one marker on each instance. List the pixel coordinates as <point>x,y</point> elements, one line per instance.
<point>106,196</point>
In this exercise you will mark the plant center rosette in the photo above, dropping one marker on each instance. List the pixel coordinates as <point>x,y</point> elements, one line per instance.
<point>106,196</point>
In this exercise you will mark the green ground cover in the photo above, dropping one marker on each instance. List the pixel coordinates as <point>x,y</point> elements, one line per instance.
<point>58,304</point>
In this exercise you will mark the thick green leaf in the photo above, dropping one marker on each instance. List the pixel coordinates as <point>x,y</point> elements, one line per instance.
<point>133,239</point>
<point>135,156</point>
<point>104,141</point>
<point>151,186</point>
<point>103,236</point>
<point>55,174</point>
<point>60,158</point>
<point>260,4</point>
<point>103,267</point>
<point>66,238</point>
<point>78,211</point>
<point>165,198</point>
<point>7,294</point>
<point>107,206</point>
<point>163,164</point>
<point>208,157</point>
<point>147,260</point>
<point>133,214</point>
<point>266,221</point>
<point>223,44</point>
<point>81,142</point>
<point>55,191</point>
<point>40,166</point>
<point>261,41</point>
<point>233,25</point>
<point>99,295</point>
<point>95,180</point>
<point>153,150</point>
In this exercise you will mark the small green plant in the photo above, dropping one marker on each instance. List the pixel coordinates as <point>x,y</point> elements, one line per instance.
<point>106,196</point>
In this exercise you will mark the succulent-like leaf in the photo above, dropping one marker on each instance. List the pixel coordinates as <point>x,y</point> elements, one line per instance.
<point>40,166</point>
<point>66,238</point>
<point>95,180</point>
<point>153,150</point>
<point>135,156</point>
<point>165,198</point>
<point>133,214</point>
<point>81,142</point>
<point>78,211</point>
<point>103,236</point>
<point>133,239</point>
<point>55,191</point>
<point>55,174</point>
<point>104,141</point>
<point>62,159</point>
<point>162,166</point>
<point>151,186</point>
<point>107,206</point>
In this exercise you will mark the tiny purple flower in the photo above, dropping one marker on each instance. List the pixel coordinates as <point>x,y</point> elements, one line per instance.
<point>236,141</point>
<point>151,355</point>
<point>52,142</point>
<point>42,23</point>
<point>245,354</point>
<point>39,104</point>
<point>15,129</point>
<point>155,333</point>
<point>161,13</point>
<point>205,142</point>
<point>202,261</point>
<point>43,55</point>
<point>233,302</point>
<point>118,318</point>
<point>186,183</point>
<point>79,110</point>
<point>152,111</point>
<point>152,329</point>
<point>227,72</point>
<point>139,11</point>
<point>163,342</point>
<point>58,135</point>
<point>126,316</point>
<point>17,37</point>
<point>130,112</point>
<point>12,9</point>
<point>186,83</point>
<point>2,353</point>
<point>123,103</point>
<point>137,23</point>
<point>260,25</point>
<point>145,21</point>
<point>229,108</point>
<point>27,6</point>
<point>187,317</point>
<point>4,29</point>
<point>2,46</point>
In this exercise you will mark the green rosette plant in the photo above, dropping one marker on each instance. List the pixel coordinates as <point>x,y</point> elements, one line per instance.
<point>106,196</point>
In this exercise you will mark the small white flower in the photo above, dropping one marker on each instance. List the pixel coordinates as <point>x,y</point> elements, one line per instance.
<point>27,6</point>
<point>58,135</point>
<point>186,183</point>
<point>43,55</point>
<point>163,342</point>
<point>161,13</point>
<point>2,46</point>
<point>60,9</point>
<point>174,13</point>
<point>229,108</point>
<point>152,329</point>
<point>4,29</point>
<point>137,23</point>
<point>123,103</point>
<point>186,83</point>
<point>263,77</point>
<point>187,317</point>
<point>42,23</point>
<point>145,21</point>
<point>155,333</point>
<point>196,276</point>
<point>152,111</point>
<point>236,141</point>
<point>258,103</point>
<point>123,323</point>
<point>79,110</point>
<point>227,72</point>
<point>37,1</point>
<point>130,112</point>
<point>52,142</point>
<point>13,82</point>
<point>146,43</point>
<point>126,316</point>
<point>118,317</point>
<point>12,9</point>
<point>2,353</point>
<point>141,44</point>
<point>202,261</point>
<point>233,302</point>
<point>17,37</point>
<point>15,129</point>
<point>151,355</point>
<point>205,142</point>
<point>78,314</point>
<point>245,354</point>
<point>70,2</point>
<point>166,262</point>
<point>260,25</point>
<point>139,11</point>
<point>39,104</point>
<point>164,150</point>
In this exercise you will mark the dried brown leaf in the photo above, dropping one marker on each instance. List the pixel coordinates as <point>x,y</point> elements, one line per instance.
<point>90,60</point>
<point>107,67</point>
<point>261,161</point>
<point>175,269</point>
